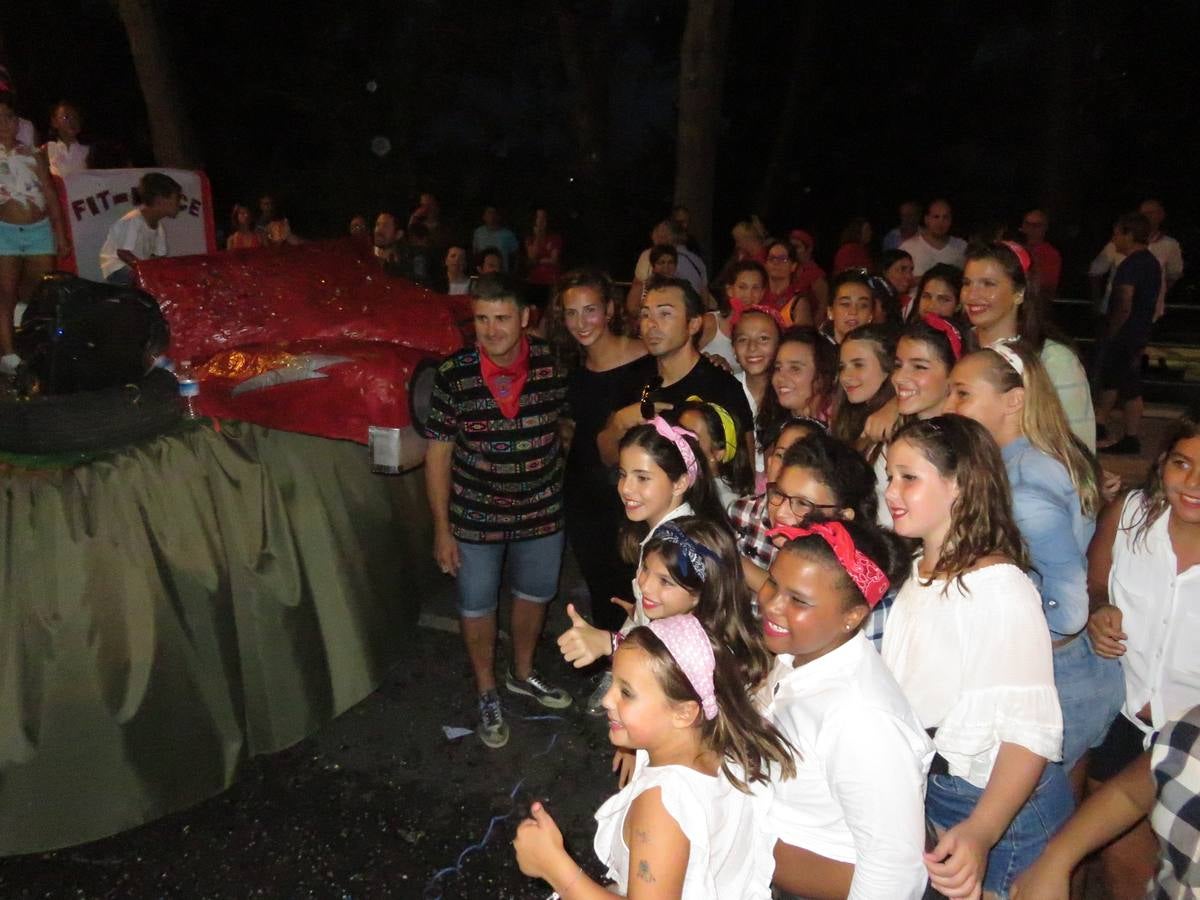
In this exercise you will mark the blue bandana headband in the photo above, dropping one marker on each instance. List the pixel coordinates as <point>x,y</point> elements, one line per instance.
<point>693,553</point>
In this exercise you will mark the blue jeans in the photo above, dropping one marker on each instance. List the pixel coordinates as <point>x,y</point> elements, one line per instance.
<point>1091,690</point>
<point>949,800</point>
<point>533,568</point>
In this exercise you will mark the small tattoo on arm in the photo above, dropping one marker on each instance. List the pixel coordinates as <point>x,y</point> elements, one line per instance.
<point>641,837</point>
<point>644,873</point>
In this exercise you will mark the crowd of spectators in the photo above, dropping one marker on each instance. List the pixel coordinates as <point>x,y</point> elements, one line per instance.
<point>869,615</point>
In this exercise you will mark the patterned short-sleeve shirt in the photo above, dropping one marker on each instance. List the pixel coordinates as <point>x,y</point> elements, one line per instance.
<point>506,474</point>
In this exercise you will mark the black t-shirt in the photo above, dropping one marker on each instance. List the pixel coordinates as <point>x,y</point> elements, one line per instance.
<point>1140,270</point>
<point>712,383</point>
<point>591,398</point>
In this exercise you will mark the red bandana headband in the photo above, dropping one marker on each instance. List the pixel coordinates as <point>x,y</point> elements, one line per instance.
<point>740,309</point>
<point>862,570</point>
<point>1021,254</point>
<point>935,321</point>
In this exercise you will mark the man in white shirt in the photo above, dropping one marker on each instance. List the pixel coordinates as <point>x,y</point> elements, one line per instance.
<point>934,244</point>
<point>1164,247</point>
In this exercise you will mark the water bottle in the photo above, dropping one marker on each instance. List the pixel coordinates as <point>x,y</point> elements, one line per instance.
<point>189,389</point>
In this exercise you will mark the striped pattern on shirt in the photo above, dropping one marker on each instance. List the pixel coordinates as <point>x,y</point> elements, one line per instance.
<point>506,474</point>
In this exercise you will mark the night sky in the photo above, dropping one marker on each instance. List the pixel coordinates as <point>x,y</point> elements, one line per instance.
<point>913,100</point>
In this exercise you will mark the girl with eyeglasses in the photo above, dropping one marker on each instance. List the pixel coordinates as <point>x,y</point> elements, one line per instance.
<point>819,477</point>
<point>782,291</point>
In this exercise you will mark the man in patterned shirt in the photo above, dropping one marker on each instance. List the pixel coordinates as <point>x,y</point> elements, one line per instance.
<point>493,474</point>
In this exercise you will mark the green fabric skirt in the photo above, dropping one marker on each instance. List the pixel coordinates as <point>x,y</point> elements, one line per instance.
<point>173,608</point>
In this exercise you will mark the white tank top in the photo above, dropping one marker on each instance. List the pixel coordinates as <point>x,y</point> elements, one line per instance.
<point>721,345</point>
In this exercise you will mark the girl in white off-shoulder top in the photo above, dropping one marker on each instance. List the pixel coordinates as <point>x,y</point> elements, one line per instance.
<point>969,646</point>
<point>686,825</point>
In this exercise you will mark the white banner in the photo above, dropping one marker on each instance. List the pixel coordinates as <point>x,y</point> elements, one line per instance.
<point>95,198</point>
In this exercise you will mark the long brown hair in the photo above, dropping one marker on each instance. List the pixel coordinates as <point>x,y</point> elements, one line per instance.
<point>738,733</point>
<point>701,496</point>
<point>566,348</point>
<point>1033,319</point>
<point>1154,496</point>
<point>1043,421</point>
<point>981,518</point>
<point>772,417</point>
<point>849,419</point>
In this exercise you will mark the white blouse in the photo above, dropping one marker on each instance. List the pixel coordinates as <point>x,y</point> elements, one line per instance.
<point>1160,612</point>
<point>861,761</point>
<point>974,660</point>
<point>731,855</point>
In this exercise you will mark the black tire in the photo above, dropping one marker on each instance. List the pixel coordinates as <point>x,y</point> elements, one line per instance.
<point>91,420</point>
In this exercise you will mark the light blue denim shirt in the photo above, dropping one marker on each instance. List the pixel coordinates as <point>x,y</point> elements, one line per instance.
<point>1057,533</point>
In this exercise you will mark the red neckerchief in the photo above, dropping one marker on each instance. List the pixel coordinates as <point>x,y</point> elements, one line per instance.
<point>506,382</point>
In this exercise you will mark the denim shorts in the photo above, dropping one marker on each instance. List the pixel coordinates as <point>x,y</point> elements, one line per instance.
<point>1091,690</point>
<point>26,240</point>
<point>533,568</point>
<point>950,799</point>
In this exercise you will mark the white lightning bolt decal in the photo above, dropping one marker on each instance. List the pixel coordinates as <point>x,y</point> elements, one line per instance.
<point>304,367</point>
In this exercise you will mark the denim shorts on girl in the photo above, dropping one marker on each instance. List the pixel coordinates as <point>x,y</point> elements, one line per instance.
<point>1091,690</point>
<point>533,568</point>
<point>26,240</point>
<point>950,799</point>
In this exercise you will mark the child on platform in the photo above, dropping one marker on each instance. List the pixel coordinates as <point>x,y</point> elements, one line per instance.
<point>139,234</point>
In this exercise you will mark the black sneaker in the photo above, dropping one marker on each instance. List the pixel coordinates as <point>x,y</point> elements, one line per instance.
<point>539,689</point>
<point>1126,446</point>
<point>492,729</point>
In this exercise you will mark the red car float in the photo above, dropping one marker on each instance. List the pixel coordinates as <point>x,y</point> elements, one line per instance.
<point>313,338</point>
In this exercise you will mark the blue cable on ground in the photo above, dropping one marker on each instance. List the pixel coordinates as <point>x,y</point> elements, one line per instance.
<point>456,869</point>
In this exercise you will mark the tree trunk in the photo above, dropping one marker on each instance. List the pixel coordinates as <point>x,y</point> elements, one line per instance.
<point>586,62</point>
<point>799,46</point>
<point>170,128</point>
<point>701,77</point>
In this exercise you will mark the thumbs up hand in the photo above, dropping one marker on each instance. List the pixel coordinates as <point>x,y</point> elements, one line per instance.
<point>582,644</point>
<point>539,845</point>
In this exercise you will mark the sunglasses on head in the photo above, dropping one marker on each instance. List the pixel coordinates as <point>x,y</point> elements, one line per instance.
<point>647,405</point>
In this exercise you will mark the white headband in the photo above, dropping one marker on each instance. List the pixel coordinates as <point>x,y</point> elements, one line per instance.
<point>1009,356</point>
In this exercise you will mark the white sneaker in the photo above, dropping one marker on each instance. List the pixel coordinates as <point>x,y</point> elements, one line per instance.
<point>595,704</point>
<point>9,363</point>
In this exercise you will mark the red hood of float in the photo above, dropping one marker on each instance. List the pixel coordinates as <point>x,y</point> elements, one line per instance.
<point>330,388</point>
<point>313,338</point>
<point>324,289</point>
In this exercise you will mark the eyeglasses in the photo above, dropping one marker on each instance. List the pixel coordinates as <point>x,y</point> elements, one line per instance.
<point>647,405</point>
<point>775,257</point>
<point>801,507</point>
